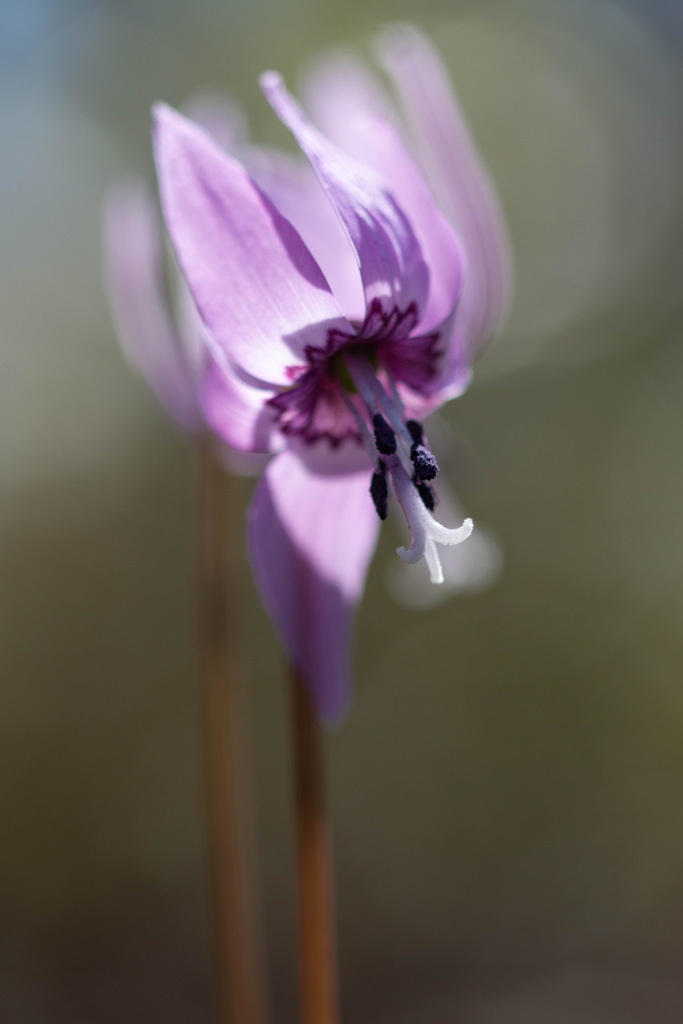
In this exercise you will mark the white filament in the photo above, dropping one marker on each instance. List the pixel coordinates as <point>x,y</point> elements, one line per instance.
<point>378,401</point>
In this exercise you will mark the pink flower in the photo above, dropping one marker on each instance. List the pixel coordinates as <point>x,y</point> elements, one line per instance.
<point>330,340</point>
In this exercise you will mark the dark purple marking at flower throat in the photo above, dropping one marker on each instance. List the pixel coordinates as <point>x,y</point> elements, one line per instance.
<point>316,405</point>
<point>347,391</point>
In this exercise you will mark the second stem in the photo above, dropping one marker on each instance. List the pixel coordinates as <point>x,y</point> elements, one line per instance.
<point>317,944</point>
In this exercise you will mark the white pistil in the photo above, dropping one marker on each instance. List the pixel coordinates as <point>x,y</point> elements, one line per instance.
<point>425,532</point>
<point>398,401</point>
<point>433,561</point>
<point>368,439</point>
<point>376,400</point>
<point>361,375</point>
<point>391,408</point>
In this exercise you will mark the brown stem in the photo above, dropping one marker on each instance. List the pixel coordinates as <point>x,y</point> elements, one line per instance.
<point>317,947</point>
<point>234,903</point>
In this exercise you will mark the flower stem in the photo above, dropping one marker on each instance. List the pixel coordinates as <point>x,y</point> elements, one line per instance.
<point>317,945</point>
<point>234,903</point>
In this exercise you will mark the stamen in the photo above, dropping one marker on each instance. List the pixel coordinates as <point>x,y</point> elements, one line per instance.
<point>385,438</point>
<point>379,490</point>
<point>398,401</point>
<point>425,532</point>
<point>426,493</point>
<point>424,462</point>
<point>391,409</point>
<point>373,394</point>
<point>362,379</point>
<point>416,431</point>
<point>370,390</point>
<point>362,425</point>
<point>421,457</point>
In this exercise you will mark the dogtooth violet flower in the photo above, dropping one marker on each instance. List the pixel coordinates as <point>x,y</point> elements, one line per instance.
<point>334,389</point>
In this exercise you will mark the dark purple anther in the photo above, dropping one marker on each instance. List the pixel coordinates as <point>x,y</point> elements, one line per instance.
<point>379,490</point>
<point>424,463</point>
<point>427,495</point>
<point>415,430</point>
<point>385,438</point>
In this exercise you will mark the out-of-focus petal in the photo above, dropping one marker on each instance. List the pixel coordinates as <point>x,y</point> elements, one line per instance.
<point>296,192</point>
<point>236,412</point>
<point>349,101</point>
<point>257,287</point>
<point>222,117</point>
<point>311,538</point>
<point>335,89</point>
<point>190,326</point>
<point>457,174</point>
<point>140,308</point>
<point>392,265</point>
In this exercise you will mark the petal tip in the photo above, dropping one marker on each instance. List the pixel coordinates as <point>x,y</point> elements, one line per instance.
<point>282,102</point>
<point>396,40</point>
<point>330,712</point>
<point>167,124</point>
<point>161,111</point>
<point>271,81</point>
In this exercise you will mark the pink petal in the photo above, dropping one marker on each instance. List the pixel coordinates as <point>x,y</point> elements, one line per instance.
<point>221,117</point>
<point>258,289</point>
<point>349,102</point>
<point>236,412</point>
<point>336,89</point>
<point>311,538</point>
<point>460,181</point>
<point>299,196</point>
<point>435,367</point>
<point>392,266</point>
<point>291,184</point>
<point>140,308</point>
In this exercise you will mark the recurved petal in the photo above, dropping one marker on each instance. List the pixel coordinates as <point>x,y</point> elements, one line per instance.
<point>311,538</point>
<point>146,328</point>
<point>457,174</point>
<point>257,287</point>
<point>351,107</point>
<point>234,410</point>
<point>392,265</point>
<point>385,151</point>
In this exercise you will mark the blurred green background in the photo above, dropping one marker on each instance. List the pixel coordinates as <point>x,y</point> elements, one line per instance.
<point>507,791</point>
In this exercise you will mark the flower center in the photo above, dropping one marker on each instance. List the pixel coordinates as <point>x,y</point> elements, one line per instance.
<point>348,392</point>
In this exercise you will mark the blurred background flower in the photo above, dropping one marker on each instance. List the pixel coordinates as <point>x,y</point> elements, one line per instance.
<point>509,840</point>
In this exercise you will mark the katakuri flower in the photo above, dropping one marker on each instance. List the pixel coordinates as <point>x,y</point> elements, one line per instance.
<point>333,388</point>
